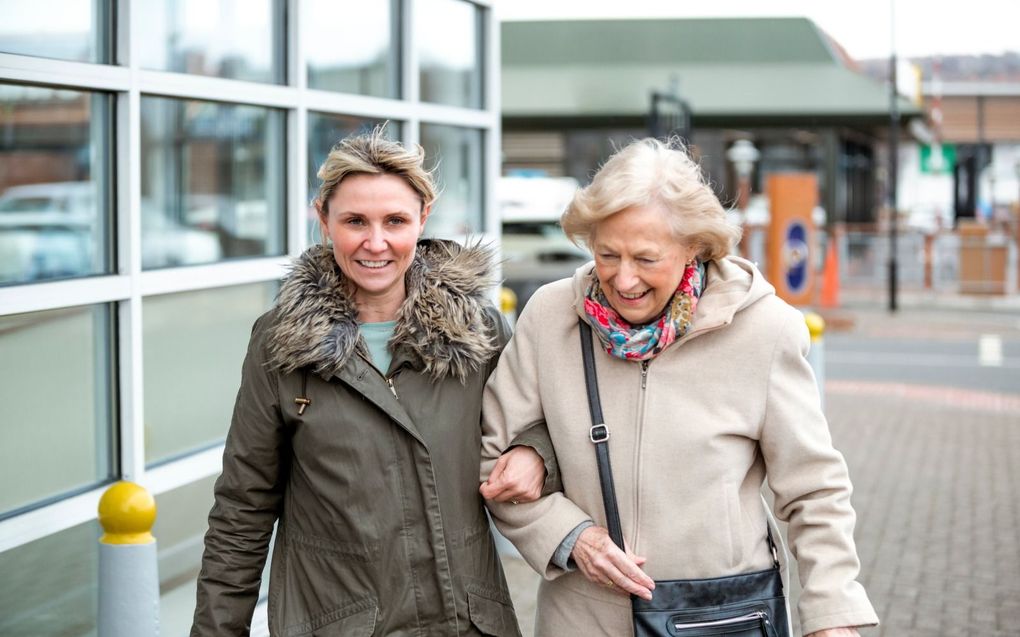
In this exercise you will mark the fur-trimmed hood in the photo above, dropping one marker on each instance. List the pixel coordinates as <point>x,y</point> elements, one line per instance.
<point>443,323</point>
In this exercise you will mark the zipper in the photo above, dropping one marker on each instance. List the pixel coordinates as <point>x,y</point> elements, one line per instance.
<point>757,616</point>
<point>637,454</point>
<point>388,379</point>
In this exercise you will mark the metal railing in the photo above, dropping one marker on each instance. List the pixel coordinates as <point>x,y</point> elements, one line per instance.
<point>945,262</point>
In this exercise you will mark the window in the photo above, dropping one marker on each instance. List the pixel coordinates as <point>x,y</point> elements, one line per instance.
<point>50,586</point>
<point>212,182</point>
<point>180,530</point>
<point>235,39</point>
<point>458,152</point>
<point>66,29</point>
<point>353,49</point>
<point>194,346</point>
<point>55,210</point>
<point>451,67</point>
<point>56,404</point>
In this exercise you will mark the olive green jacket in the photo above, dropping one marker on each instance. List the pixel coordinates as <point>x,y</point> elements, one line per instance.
<point>374,482</point>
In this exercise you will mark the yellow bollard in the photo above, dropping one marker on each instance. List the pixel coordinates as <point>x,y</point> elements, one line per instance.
<point>816,355</point>
<point>128,569</point>
<point>508,305</point>
<point>127,512</point>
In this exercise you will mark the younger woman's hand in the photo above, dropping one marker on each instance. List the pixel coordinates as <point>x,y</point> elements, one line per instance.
<point>603,563</point>
<point>518,477</point>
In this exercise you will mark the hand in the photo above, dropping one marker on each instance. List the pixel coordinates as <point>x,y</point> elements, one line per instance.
<point>603,563</point>
<point>846,631</point>
<point>517,477</point>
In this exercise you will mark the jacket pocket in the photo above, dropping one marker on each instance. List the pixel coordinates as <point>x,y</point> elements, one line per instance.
<point>330,548</point>
<point>491,616</point>
<point>351,620</point>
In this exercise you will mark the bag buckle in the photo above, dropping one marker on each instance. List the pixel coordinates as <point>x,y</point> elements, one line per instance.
<point>598,433</point>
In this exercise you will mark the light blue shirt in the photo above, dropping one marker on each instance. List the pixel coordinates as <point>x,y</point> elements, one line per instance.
<point>377,336</point>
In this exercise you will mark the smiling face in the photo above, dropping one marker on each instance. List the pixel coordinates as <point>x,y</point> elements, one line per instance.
<point>638,262</point>
<point>374,222</point>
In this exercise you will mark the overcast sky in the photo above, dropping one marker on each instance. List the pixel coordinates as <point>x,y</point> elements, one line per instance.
<point>923,27</point>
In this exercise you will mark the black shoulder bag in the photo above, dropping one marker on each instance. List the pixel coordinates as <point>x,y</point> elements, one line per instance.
<point>747,605</point>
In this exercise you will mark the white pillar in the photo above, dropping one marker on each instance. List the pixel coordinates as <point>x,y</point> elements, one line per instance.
<point>128,573</point>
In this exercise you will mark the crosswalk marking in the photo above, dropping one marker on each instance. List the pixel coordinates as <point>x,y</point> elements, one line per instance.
<point>990,350</point>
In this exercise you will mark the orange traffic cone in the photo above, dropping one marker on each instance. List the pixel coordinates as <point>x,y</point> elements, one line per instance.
<point>830,277</point>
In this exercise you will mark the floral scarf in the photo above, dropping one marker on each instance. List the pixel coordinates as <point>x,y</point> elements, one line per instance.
<point>644,342</point>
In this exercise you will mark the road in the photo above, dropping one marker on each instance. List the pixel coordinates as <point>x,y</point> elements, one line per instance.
<point>975,351</point>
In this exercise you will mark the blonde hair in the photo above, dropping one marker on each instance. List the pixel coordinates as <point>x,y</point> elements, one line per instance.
<point>650,172</point>
<point>374,154</point>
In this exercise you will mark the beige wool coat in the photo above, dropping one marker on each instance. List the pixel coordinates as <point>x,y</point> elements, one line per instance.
<point>694,433</point>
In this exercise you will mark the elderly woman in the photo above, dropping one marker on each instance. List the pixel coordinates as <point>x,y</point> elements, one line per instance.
<point>706,390</point>
<point>356,428</point>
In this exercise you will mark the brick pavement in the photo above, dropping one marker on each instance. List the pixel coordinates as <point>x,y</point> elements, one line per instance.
<point>938,510</point>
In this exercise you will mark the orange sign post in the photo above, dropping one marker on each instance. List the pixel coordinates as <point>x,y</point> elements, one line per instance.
<point>791,236</point>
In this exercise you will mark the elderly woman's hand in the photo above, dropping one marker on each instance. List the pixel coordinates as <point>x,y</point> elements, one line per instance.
<point>603,563</point>
<point>517,477</point>
<point>847,631</point>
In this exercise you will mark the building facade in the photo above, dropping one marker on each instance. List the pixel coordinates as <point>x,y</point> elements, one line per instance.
<point>569,98</point>
<point>157,160</point>
<point>969,167</point>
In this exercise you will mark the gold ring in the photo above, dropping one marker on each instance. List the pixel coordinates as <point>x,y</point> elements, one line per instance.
<point>610,584</point>
<point>514,502</point>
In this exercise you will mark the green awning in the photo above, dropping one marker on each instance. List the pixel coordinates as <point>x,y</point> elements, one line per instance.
<point>742,68</point>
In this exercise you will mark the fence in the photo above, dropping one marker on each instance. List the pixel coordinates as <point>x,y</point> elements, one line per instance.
<point>946,262</point>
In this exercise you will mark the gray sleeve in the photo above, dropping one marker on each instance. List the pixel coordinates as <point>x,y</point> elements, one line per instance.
<point>561,557</point>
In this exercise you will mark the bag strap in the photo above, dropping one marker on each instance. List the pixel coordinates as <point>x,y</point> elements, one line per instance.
<point>599,435</point>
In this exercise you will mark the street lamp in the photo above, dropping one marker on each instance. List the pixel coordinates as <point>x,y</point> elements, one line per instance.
<point>894,149</point>
<point>743,154</point>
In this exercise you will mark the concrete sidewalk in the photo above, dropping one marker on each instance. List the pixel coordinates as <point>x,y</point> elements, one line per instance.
<point>938,511</point>
<point>910,298</point>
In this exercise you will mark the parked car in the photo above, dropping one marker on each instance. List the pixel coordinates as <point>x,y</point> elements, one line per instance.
<point>166,243</point>
<point>46,231</point>
<point>50,231</point>
<point>535,250</point>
